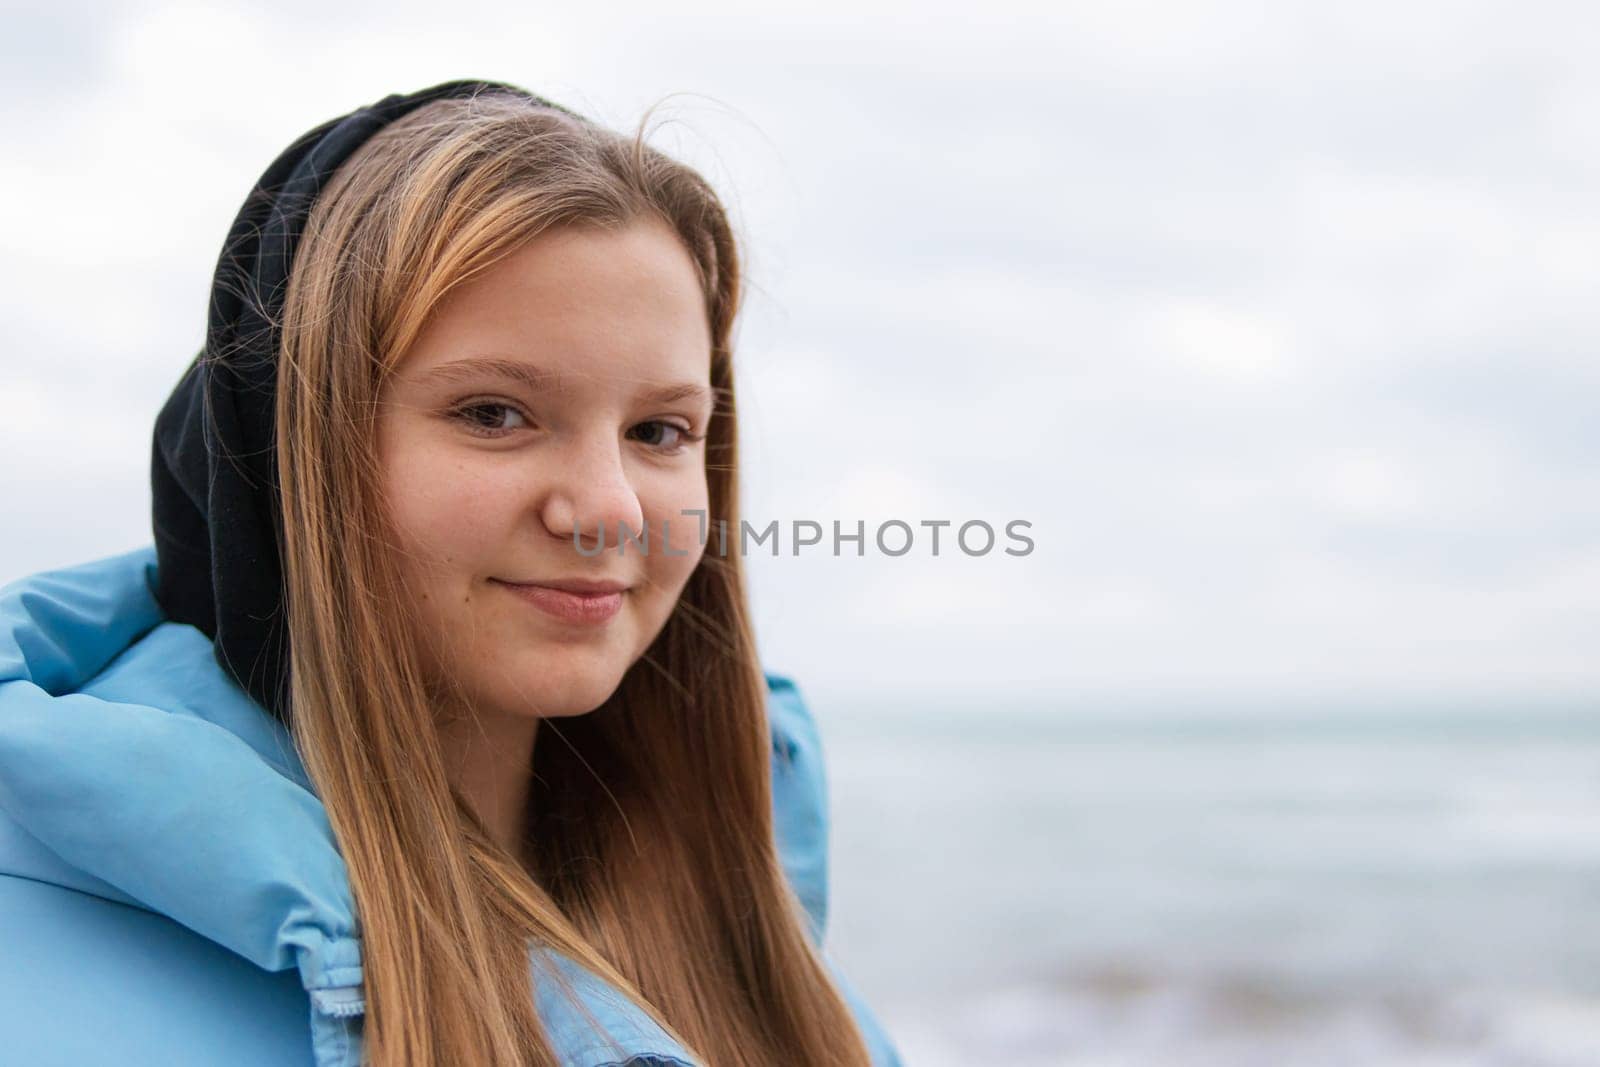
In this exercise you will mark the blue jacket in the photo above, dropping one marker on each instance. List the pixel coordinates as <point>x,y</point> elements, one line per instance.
<point>170,891</point>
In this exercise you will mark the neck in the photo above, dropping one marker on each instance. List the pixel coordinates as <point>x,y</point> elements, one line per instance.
<point>489,759</point>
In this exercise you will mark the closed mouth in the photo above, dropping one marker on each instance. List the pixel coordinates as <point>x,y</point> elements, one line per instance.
<point>575,586</point>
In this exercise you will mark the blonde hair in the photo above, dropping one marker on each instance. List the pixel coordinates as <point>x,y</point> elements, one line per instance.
<point>650,856</point>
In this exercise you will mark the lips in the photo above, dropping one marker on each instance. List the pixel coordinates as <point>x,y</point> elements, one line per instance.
<point>582,586</point>
<point>578,601</point>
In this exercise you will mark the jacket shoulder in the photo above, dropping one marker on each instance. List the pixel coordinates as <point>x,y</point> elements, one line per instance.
<point>799,798</point>
<point>84,980</point>
<point>61,626</point>
<point>801,819</point>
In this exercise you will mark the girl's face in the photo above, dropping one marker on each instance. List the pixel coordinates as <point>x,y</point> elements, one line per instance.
<point>565,389</point>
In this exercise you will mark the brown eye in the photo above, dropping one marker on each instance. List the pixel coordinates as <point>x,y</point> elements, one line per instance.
<point>663,436</point>
<point>655,431</point>
<point>490,418</point>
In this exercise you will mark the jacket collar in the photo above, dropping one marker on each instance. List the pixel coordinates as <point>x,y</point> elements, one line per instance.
<point>133,767</point>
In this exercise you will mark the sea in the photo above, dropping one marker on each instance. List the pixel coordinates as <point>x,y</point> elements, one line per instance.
<point>1384,888</point>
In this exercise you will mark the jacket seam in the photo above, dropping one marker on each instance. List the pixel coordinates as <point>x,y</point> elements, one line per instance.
<point>84,893</point>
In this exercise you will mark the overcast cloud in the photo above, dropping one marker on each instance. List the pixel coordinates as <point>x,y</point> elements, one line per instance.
<point>1277,322</point>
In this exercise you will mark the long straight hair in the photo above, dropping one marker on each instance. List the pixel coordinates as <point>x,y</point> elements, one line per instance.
<point>649,856</point>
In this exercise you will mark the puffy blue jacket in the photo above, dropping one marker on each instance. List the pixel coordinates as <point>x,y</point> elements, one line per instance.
<point>170,891</point>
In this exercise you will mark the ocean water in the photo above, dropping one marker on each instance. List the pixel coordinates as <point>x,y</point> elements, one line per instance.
<point>1417,889</point>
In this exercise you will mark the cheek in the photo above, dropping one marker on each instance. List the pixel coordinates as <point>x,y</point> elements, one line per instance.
<point>428,496</point>
<point>664,506</point>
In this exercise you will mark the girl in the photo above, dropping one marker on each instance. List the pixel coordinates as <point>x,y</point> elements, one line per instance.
<point>430,714</point>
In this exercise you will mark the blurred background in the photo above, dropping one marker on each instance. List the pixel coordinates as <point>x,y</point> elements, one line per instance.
<point>1277,323</point>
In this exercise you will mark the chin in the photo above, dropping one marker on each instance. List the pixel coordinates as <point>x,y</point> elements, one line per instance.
<point>561,686</point>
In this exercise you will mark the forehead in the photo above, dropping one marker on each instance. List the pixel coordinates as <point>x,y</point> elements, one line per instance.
<point>579,304</point>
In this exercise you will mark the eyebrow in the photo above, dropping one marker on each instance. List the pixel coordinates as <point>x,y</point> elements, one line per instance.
<point>514,370</point>
<point>527,374</point>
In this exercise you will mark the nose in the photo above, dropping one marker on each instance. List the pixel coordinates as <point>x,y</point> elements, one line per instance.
<point>591,497</point>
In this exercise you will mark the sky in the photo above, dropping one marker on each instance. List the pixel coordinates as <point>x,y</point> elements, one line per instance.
<point>1274,322</point>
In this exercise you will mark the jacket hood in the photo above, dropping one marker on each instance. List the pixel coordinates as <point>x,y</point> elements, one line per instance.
<point>134,769</point>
